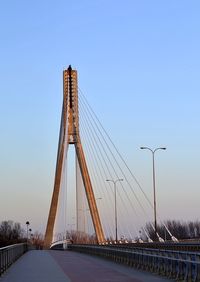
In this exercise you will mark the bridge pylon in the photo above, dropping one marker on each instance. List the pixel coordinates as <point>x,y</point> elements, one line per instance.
<point>69,134</point>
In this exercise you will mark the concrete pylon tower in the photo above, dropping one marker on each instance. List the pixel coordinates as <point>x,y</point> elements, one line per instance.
<point>69,132</point>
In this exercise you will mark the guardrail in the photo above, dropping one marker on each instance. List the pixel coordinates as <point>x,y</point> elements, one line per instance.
<point>168,245</point>
<point>162,252</point>
<point>180,266</point>
<point>10,254</point>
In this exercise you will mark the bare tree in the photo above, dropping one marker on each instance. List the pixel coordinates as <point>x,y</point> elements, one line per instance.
<point>180,229</point>
<point>78,237</point>
<point>10,233</point>
<point>37,240</point>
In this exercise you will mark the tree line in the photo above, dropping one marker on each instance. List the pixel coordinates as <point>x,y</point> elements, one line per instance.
<point>182,230</point>
<point>12,233</point>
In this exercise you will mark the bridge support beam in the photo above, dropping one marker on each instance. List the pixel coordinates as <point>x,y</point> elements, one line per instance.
<point>89,193</point>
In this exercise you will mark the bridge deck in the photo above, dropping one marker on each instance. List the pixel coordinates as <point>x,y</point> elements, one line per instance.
<point>58,266</point>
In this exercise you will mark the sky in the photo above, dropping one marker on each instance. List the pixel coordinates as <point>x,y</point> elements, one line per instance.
<point>138,64</point>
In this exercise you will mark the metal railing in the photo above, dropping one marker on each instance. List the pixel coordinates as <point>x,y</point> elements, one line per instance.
<point>181,266</point>
<point>10,254</point>
<point>185,255</point>
<point>168,245</point>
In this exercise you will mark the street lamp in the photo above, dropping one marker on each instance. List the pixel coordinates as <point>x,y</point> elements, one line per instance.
<point>154,182</point>
<point>115,196</point>
<point>30,232</point>
<point>30,235</point>
<point>27,224</point>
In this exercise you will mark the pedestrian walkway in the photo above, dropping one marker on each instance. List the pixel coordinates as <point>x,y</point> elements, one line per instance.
<point>67,266</point>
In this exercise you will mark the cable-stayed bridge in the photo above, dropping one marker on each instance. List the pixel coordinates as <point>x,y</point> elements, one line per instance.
<point>105,200</point>
<point>98,207</point>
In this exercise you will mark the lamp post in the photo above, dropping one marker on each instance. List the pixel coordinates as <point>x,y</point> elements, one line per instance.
<point>154,183</point>
<point>30,230</point>
<point>115,197</point>
<point>27,224</point>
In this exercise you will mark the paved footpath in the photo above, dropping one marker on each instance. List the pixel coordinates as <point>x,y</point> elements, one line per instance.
<point>67,266</point>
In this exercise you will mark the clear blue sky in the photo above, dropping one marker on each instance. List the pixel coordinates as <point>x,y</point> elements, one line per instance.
<point>139,66</point>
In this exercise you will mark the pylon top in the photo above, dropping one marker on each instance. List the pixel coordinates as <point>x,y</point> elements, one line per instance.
<point>69,68</point>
